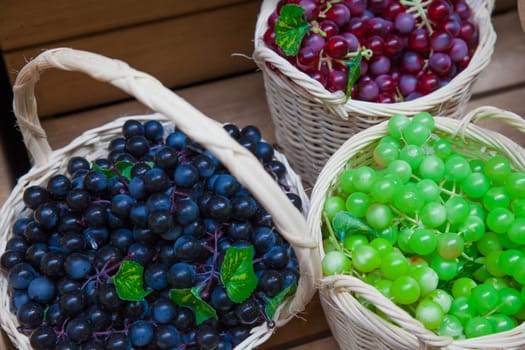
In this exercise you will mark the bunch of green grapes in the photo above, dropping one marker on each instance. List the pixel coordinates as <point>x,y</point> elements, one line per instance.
<point>439,232</point>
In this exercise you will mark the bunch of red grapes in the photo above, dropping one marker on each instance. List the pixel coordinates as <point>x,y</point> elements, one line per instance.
<point>409,48</point>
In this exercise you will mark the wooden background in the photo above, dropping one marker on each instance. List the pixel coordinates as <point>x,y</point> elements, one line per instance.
<point>190,46</point>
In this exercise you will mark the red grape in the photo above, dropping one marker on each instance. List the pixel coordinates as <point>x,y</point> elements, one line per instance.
<point>440,63</point>
<point>311,9</point>
<point>376,44</point>
<point>351,40</point>
<point>386,83</point>
<point>356,7</point>
<point>393,45</point>
<point>439,11</point>
<point>392,10</point>
<point>339,13</point>
<point>419,40</point>
<point>404,23</point>
<point>337,80</point>
<point>358,27</point>
<point>441,41</point>
<point>412,62</point>
<point>307,58</point>
<point>329,27</point>
<point>336,47</point>
<point>428,83</point>
<point>368,90</point>
<point>380,65</point>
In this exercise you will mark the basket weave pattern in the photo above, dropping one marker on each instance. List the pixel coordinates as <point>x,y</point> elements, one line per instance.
<point>353,325</point>
<point>173,110</point>
<point>311,123</point>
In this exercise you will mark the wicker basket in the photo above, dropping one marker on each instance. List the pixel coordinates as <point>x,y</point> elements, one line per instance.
<point>353,325</point>
<point>311,123</point>
<point>92,144</point>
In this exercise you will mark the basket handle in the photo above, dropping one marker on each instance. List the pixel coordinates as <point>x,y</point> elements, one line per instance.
<point>149,91</point>
<point>489,112</point>
<point>350,284</point>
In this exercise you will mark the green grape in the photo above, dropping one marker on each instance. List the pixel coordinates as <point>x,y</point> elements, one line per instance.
<point>522,294</point>
<point>440,297</point>
<point>363,178</point>
<point>405,290</point>
<point>329,246</point>
<point>426,119</point>
<point>510,301</point>
<point>383,190</point>
<point>457,168</point>
<point>488,243</point>
<point>442,148</point>
<point>499,220</point>
<point>333,205</point>
<point>423,241</point>
<point>477,210</point>
<point>394,265</point>
<point>355,240</point>
<point>345,181</point>
<point>379,216</point>
<point>391,140</point>
<point>429,314</point>
<point>462,287</point>
<point>450,327</point>
<point>518,207</point>
<point>492,263</point>
<point>506,242</point>
<point>400,168</point>
<point>450,245</point>
<point>446,269</point>
<point>432,167</point>
<point>429,189</point>
<point>496,197</point>
<point>501,323</point>
<point>358,203</point>
<point>515,185</point>
<point>390,234</point>
<point>385,153</point>
<point>497,169</point>
<point>335,263</point>
<point>458,210</point>
<point>384,286</point>
<point>473,228</point>
<point>481,274</point>
<point>508,259</point>
<point>433,214</point>
<point>416,263</point>
<point>396,124</point>
<point>365,258</point>
<point>372,278</point>
<point>475,185</point>
<point>497,282</point>
<point>463,309</point>
<point>403,240</point>
<point>413,155</point>
<point>519,271</point>
<point>485,298</point>
<point>516,232</point>
<point>476,165</point>
<point>416,133</point>
<point>477,327</point>
<point>520,315</point>
<point>427,279</point>
<point>382,245</point>
<point>409,199</point>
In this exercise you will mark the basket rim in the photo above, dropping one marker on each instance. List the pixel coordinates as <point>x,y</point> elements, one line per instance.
<point>294,78</point>
<point>38,175</point>
<point>336,164</point>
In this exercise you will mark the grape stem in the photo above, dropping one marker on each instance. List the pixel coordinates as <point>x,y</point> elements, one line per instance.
<point>331,237</point>
<point>403,216</point>
<point>206,292</point>
<point>418,7</point>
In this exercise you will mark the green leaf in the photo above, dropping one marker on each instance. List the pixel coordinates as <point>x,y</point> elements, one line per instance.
<point>150,164</point>
<point>237,273</point>
<point>129,281</point>
<point>345,223</point>
<point>354,71</point>
<point>124,168</point>
<point>290,29</point>
<point>273,304</point>
<point>109,173</point>
<point>191,298</point>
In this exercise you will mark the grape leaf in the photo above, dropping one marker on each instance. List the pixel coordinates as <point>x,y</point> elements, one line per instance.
<point>354,71</point>
<point>237,273</point>
<point>109,173</point>
<point>151,164</point>
<point>345,223</point>
<point>190,297</point>
<point>273,304</point>
<point>124,168</point>
<point>128,281</point>
<point>290,29</point>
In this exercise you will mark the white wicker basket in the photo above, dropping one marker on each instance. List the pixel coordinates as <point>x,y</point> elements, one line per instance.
<point>352,324</point>
<point>93,144</point>
<point>311,123</point>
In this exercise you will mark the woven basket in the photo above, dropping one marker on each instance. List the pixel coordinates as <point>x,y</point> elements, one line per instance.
<point>93,143</point>
<point>353,325</point>
<point>311,123</point>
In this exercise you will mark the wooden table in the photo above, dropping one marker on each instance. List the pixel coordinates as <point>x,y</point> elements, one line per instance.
<point>241,100</point>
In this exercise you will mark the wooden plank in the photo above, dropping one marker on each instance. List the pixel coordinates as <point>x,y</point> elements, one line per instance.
<point>503,5</point>
<point>327,343</point>
<point>507,65</point>
<point>32,22</point>
<point>178,51</point>
<point>6,177</point>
